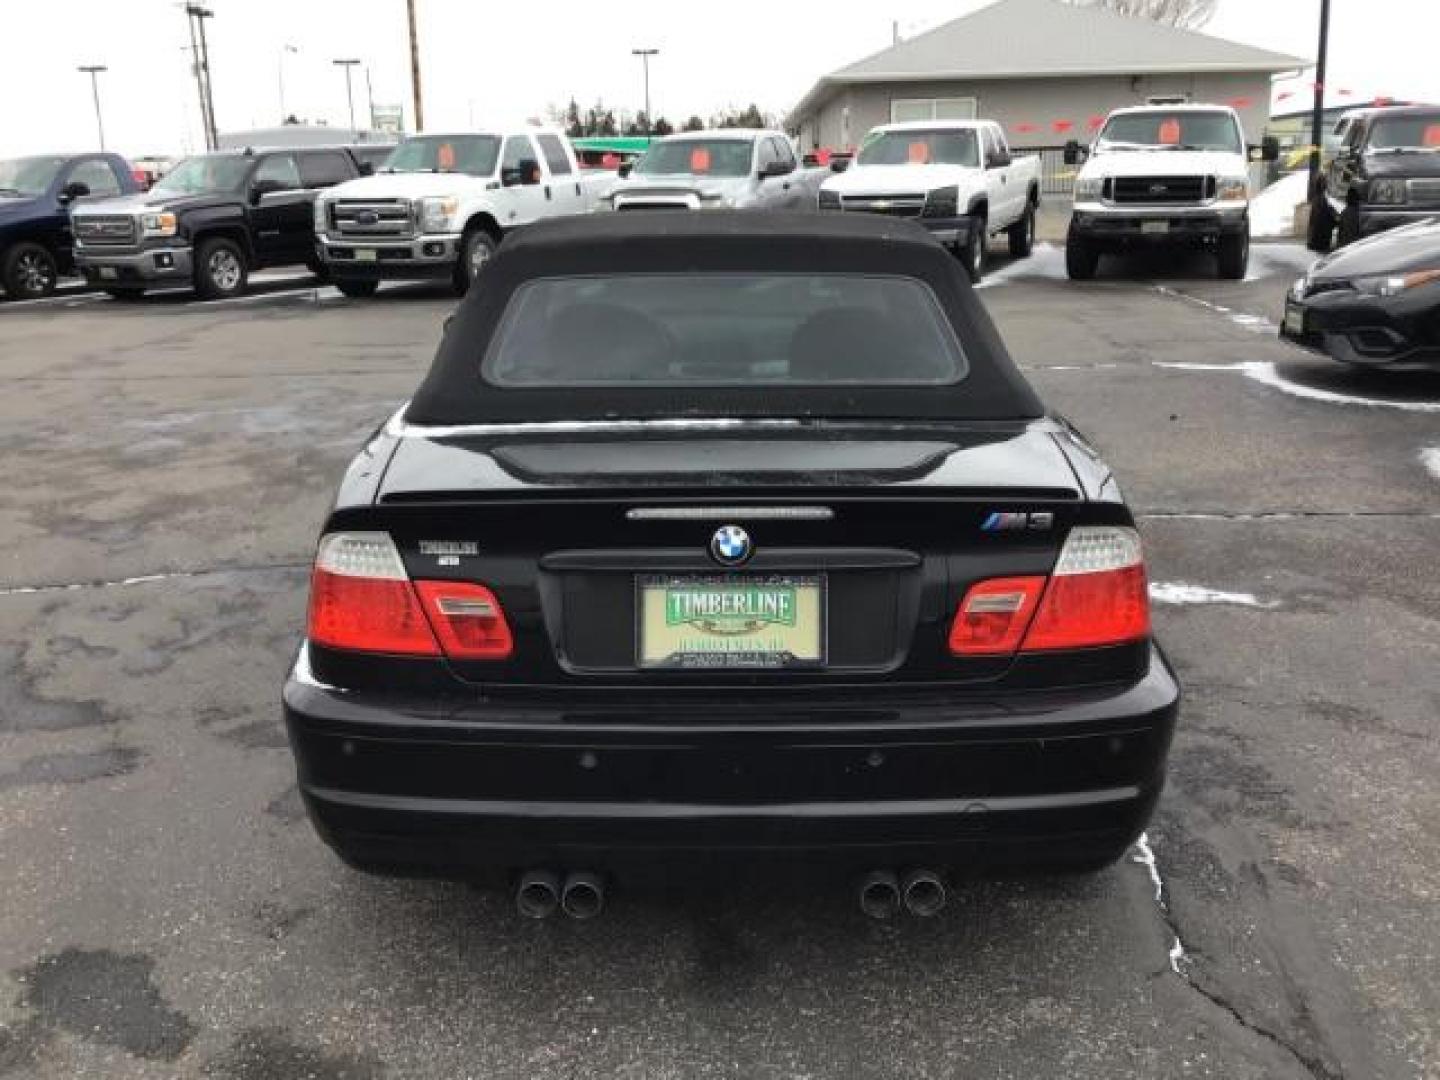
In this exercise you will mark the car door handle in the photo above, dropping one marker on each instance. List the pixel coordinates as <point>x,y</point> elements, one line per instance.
<point>786,185</point>
<point>547,191</point>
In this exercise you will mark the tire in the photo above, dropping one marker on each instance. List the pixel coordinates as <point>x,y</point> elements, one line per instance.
<point>220,270</point>
<point>357,289</point>
<point>29,272</point>
<point>1233,255</point>
<point>125,295</point>
<point>1348,230</point>
<point>1022,233</point>
<point>1321,232</point>
<point>318,268</point>
<point>972,254</point>
<point>1081,260</point>
<point>475,251</point>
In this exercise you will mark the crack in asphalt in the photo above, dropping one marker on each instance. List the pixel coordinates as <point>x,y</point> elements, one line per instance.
<point>1288,515</point>
<point>148,579</point>
<point>1185,966</point>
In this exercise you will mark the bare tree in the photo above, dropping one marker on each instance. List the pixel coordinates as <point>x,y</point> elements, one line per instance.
<point>1185,14</point>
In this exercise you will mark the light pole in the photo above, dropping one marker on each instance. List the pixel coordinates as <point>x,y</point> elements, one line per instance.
<point>1317,113</point>
<point>415,67</point>
<point>349,97</point>
<point>645,55</point>
<point>283,50</point>
<point>197,16</point>
<point>94,70</point>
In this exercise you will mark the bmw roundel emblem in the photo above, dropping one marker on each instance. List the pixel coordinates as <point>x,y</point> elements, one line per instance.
<point>730,545</point>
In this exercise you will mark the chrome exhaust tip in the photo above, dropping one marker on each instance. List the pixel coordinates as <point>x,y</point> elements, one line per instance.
<point>879,894</point>
<point>537,894</point>
<point>924,893</point>
<point>583,896</point>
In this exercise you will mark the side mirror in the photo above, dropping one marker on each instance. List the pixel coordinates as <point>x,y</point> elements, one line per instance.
<point>776,168</point>
<point>511,177</point>
<point>76,189</point>
<point>261,188</point>
<point>1270,148</point>
<point>367,168</point>
<point>839,164</point>
<point>1073,153</point>
<point>625,169</point>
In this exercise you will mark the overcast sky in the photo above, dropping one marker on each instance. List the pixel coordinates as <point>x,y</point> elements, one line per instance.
<point>487,62</point>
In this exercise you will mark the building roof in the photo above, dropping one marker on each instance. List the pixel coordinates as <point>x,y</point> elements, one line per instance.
<point>1030,39</point>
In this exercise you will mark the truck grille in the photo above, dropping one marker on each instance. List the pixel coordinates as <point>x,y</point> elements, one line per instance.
<point>98,229</point>
<point>1160,190</point>
<point>890,205</point>
<point>372,218</point>
<point>1425,192</point>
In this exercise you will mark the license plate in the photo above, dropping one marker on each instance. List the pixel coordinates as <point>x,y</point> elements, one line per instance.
<point>109,273</point>
<point>726,621</point>
<point>365,255</point>
<point>1294,319</point>
<point>1154,227</point>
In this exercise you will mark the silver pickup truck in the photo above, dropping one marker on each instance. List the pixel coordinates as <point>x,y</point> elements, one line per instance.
<point>711,170</point>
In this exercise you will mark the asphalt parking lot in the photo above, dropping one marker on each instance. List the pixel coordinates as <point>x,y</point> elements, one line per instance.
<point>165,910</point>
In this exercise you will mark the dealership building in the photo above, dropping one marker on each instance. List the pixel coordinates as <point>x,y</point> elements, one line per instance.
<point>1047,71</point>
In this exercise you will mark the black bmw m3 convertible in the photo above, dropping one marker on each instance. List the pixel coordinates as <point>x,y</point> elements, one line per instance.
<point>727,535</point>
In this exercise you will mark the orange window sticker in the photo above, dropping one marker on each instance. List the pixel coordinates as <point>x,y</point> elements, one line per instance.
<point>445,156</point>
<point>700,160</point>
<point>918,153</point>
<point>1170,131</point>
<point>1431,136</point>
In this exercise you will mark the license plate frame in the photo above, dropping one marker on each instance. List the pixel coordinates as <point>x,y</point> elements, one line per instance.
<point>367,255</point>
<point>1155,228</point>
<point>109,273</point>
<point>1294,321</point>
<point>658,639</point>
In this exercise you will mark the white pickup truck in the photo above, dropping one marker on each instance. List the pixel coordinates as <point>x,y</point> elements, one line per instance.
<point>955,177</point>
<point>1171,175</point>
<point>440,205</point>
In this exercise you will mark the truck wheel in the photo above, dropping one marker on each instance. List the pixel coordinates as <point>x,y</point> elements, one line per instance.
<point>475,251</point>
<point>357,290</point>
<point>1022,233</point>
<point>973,253</point>
<point>1234,255</point>
<point>220,270</point>
<point>29,272</point>
<point>1081,260</point>
<point>1321,231</point>
<point>1348,231</point>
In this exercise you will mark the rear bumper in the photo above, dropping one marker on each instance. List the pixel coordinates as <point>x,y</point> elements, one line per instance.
<point>1046,780</point>
<point>423,258</point>
<point>135,267</point>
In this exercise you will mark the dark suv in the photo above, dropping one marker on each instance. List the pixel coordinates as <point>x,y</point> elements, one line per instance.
<point>36,197</point>
<point>1385,172</point>
<point>212,220</point>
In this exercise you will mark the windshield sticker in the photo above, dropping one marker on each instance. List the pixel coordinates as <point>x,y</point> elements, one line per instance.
<point>445,156</point>
<point>1170,132</point>
<point>919,153</point>
<point>700,160</point>
<point>1432,135</point>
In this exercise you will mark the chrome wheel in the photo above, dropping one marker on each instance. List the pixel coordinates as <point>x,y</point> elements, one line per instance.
<point>35,271</point>
<point>479,256</point>
<point>224,269</point>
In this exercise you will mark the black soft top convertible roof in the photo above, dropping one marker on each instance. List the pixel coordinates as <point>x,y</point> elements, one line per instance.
<point>661,242</point>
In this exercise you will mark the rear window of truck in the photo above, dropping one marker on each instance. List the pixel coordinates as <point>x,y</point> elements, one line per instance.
<point>724,330</point>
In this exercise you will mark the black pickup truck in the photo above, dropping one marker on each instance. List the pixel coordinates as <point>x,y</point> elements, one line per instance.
<point>213,219</point>
<point>1384,172</point>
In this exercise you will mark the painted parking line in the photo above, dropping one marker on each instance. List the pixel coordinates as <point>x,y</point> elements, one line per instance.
<point>1267,374</point>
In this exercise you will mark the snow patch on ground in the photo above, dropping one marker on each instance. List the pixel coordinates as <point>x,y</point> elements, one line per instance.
<point>1272,211</point>
<point>1145,856</point>
<point>1044,261</point>
<point>1263,371</point>
<point>1177,592</point>
<point>1430,458</point>
<point>1255,323</point>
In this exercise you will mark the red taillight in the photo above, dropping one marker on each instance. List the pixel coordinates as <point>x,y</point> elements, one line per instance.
<point>362,599</point>
<point>1096,595</point>
<point>467,619</point>
<point>993,616</point>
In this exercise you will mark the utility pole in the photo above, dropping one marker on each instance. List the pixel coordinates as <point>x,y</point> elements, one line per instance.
<point>199,80</point>
<point>1317,116</point>
<point>349,97</point>
<point>645,55</point>
<point>415,68</point>
<point>284,115</point>
<point>198,15</point>
<point>94,70</point>
<point>370,96</point>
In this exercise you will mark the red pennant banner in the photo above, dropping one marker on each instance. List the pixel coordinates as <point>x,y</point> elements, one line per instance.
<point>1063,125</point>
<point>1095,123</point>
<point>1025,129</point>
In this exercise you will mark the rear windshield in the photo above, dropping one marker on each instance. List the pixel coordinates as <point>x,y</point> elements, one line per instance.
<point>697,157</point>
<point>919,147</point>
<point>724,330</point>
<point>1179,130</point>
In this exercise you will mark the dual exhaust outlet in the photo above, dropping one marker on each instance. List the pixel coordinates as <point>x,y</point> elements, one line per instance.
<point>540,893</point>
<point>882,893</point>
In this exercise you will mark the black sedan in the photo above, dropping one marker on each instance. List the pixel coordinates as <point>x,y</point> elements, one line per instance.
<point>727,534</point>
<point>1375,303</point>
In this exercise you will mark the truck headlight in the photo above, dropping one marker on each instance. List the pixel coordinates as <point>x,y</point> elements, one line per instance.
<point>1388,190</point>
<point>829,200</point>
<point>1089,188</point>
<point>1394,284</point>
<point>437,213</point>
<point>158,224</point>
<point>322,221</point>
<point>1232,189</point>
<point>942,203</point>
